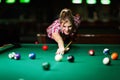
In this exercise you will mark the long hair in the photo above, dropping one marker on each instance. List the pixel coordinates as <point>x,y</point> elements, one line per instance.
<point>66,14</point>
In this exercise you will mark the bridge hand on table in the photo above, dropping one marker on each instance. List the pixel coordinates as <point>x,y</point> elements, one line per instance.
<point>62,50</point>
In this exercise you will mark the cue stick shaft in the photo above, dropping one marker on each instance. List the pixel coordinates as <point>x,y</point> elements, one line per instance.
<point>68,45</point>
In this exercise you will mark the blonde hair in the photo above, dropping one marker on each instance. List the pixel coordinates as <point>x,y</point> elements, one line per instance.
<point>66,14</point>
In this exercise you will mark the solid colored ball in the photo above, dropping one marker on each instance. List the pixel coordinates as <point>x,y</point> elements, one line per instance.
<point>17,56</point>
<point>58,57</point>
<point>106,61</point>
<point>32,56</point>
<point>91,52</point>
<point>45,47</point>
<point>36,42</point>
<point>106,51</point>
<point>46,66</point>
<point>70,58</point>
<point>114,56</point>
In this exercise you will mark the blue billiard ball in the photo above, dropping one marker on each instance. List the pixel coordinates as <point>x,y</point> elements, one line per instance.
<point>106,51</point>
<point>32,56</point>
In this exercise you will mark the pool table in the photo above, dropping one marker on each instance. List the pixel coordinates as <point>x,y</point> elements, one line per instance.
<point>85,67</point>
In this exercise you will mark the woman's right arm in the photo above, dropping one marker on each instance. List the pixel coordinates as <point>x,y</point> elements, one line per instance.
<point>59,40</point>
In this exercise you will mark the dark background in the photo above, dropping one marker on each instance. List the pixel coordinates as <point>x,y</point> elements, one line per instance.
<point>21,22</point>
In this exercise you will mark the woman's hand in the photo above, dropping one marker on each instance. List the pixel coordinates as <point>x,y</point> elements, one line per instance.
<point>62,50</point>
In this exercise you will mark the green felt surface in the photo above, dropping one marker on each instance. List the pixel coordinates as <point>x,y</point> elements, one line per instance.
<point>85,67</point>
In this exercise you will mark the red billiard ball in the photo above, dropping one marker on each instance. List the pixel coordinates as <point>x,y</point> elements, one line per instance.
<point>91,52</point>
<point>45,47</point>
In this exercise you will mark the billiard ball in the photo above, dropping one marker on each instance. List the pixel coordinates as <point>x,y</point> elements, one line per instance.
<point>32,55</point>
<point>36,42</point>
<point>114,56</point>
<point>106,61</point>
<point>17,56</point>
<point>91,52</point>
<point>70,58</point>
<point>45,47</point>
<point>46,66</point>
<point>11,55</point>
<point>106,51</point>
<point>58,57</point>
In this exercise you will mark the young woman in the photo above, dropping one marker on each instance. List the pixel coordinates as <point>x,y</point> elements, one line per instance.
<point>63,29</point>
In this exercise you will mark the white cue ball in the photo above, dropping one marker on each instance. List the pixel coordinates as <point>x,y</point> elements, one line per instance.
<point>58,57</point>
<point>11,55</point>
<point>106,61</point>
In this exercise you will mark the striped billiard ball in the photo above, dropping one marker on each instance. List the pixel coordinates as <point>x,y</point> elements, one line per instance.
<point>70,58</point>
<point>106,51</point>
<point>91,52</point>
<point>46,66</point>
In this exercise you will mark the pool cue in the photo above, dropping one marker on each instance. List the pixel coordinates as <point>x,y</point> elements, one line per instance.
<point>68,45</point>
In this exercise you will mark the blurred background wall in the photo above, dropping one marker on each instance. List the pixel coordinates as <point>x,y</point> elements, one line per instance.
<point>20,21</point>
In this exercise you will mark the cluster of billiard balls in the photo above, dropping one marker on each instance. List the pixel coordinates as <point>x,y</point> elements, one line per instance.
<point>106,60</point>
<point>14,55</point>
<point>17,56</point>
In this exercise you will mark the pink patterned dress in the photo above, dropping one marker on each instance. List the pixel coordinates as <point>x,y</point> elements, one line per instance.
<point>55,26</point>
